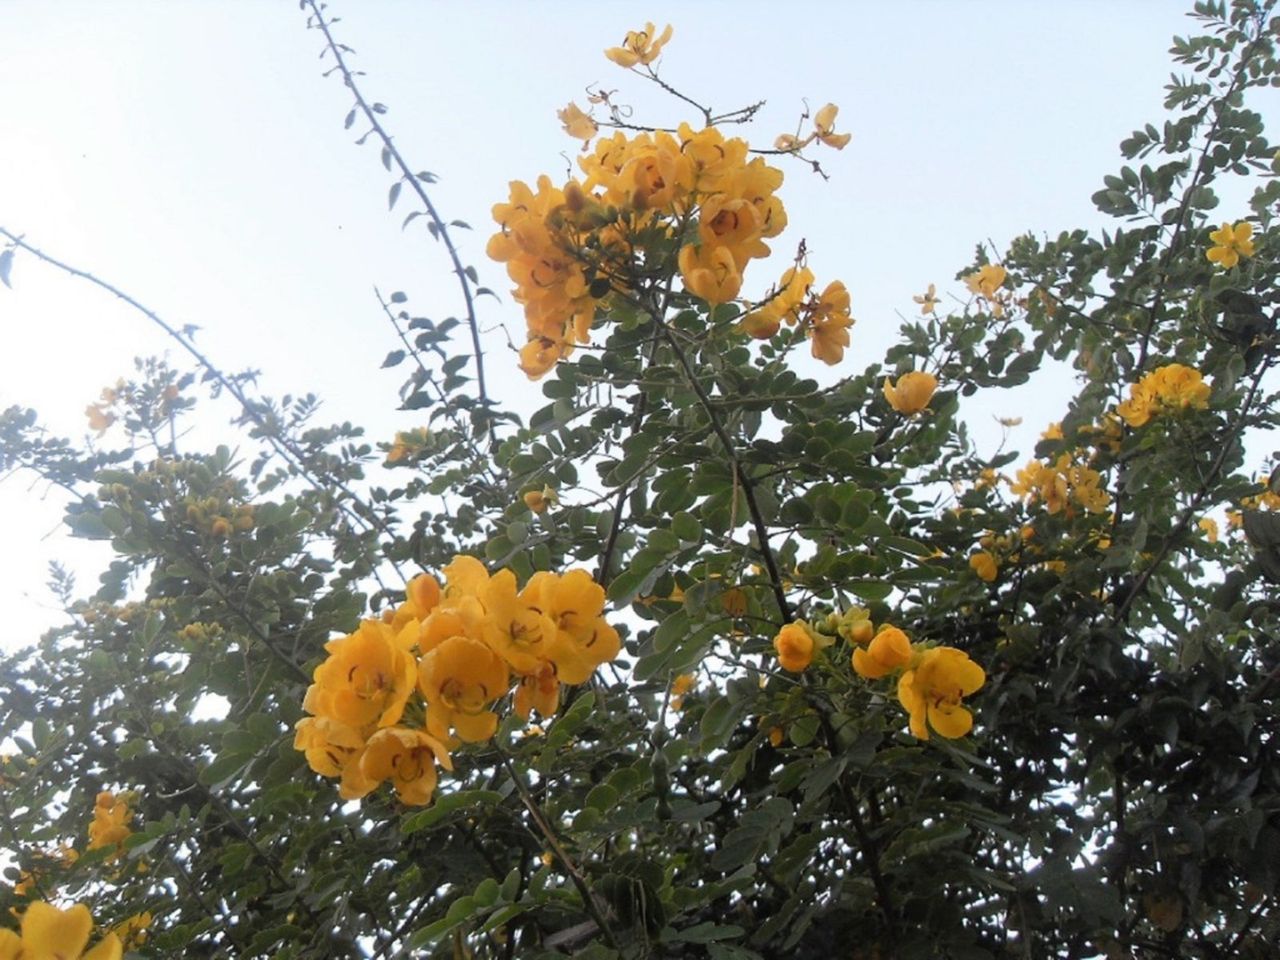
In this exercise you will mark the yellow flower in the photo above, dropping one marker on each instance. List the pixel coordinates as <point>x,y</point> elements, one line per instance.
<point>911,393</point>
<point>539,691</point>
<point>829,323</point>
<point>735,223</point>
<point>794,645</point>
<point>52,934</point>
<point>99,419</point>
<point>776,736</point>
<point>110,824</point>
<point>539,355</point>
<point>889,650</point>
<point>790,143</point>
<point>513,625</point>
<point>329,745</point>
<point>932,689</point>
<point>927,300</point>
<point>1168,389</point>
<point>985,281</point>
<point>984,565</point>
<point>824,126</point>
<point>1210,528</point>
<point>680,686</point>
<point>574,603</point>
<point>784,304</point>
<point>710,272</point>
<point>408,446</point>
<point>577,124</point>
<point>539,500</point>
<point>459,679</point>
<point>368,677</point>
<point>132,931</point>
<point>408,759</point>
<point>640,46</point>
<point>1231,242</point>
<point>421,597</point>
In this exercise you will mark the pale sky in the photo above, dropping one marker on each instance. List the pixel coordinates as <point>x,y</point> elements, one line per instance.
<point>191,154</point>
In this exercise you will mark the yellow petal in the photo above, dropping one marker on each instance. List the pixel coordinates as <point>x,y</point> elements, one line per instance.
<point>108,949</point>
<point>951,722</point>
<point>50,932</point>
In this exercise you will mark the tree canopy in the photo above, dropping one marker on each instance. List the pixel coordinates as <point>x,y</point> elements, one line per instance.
<point>705,657</point>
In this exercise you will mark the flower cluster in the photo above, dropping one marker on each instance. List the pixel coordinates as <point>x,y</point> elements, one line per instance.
<point>1230,243</point>
<point>110,824</point>
<point>1168,389</point>
<point>218,517</point>
<point>1061,486</point>
<point>46,933</point>
<point>825,316</point>
<point>693,193</point>
<point>458,648</point>
<point>932,681</point>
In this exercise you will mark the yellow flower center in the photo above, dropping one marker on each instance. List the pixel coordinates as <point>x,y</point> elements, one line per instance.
<point>468,698</point>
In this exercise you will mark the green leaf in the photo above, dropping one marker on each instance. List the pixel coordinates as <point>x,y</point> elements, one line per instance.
<point>686,527</point>
<point>446,804</point>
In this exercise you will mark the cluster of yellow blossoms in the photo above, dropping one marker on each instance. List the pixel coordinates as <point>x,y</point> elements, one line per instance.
<point>568,248</point>
<point>1061,486</point>
<point>47,933</point>
<point>458,648</point>
<point>1166,390</point>
<point>110,824</point>
<point>932,681</point>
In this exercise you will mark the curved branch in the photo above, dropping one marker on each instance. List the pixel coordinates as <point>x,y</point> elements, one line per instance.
<point>392,155</point>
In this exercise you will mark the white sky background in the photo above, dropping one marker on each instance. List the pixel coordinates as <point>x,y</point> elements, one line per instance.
<point>191,154</point>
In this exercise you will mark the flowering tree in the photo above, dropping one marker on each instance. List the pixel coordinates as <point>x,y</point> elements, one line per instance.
<point>704,658</point>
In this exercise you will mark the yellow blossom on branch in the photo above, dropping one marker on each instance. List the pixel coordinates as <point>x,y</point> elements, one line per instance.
<point>829,323</point>
<point>680,687</point>
<point>932,689</point>
<point>1231,242</point>
<point>911,393</point>
<point>984,565</point>
<point>577,124</point>
<point>639,47</point>
<point>927,300</point>
<point>823,124</point>
<point>888,651</point>
<point>794,646</point>
<point>99,418</point>
<point>110,824</point>
<point>48,933</point>
<point>1169,389</point>
<point>986,280</point>
<point>539,500</point>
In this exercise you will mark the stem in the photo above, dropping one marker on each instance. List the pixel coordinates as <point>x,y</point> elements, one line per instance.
<point>1193,507</point>
<point>748,487</point>
<point>548,833</point>
<point>286,448</point>
<point>441,229</point>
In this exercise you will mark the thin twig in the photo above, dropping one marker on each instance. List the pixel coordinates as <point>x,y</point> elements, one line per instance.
<point>441,228</point>
<point>285,447</point>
